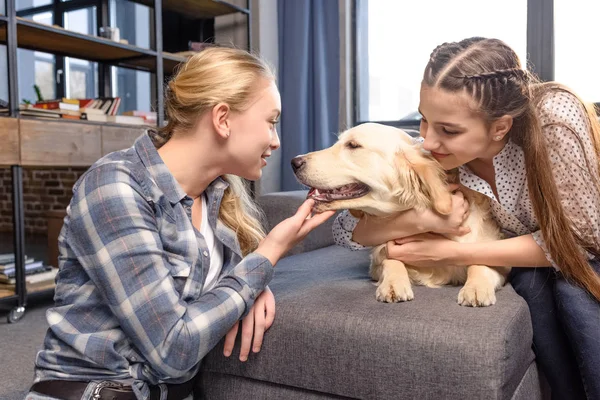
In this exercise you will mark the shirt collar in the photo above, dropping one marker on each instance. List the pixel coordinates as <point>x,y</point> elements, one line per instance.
<point>510,177</point>
<point>165,181</point>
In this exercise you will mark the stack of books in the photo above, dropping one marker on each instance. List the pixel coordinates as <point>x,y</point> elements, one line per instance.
<point>38,276</point>
<point>102,109</point>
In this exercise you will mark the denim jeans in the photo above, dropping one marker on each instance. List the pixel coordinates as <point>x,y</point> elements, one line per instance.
<point>566,331</point>
<point>87,395</point>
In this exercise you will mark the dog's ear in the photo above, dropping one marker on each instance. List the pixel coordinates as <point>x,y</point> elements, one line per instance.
<point>429,179</point>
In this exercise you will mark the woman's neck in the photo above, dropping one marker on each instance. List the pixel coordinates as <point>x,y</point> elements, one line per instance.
<point>194,167</point>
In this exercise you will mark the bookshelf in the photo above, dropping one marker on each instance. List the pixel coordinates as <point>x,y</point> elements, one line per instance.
<point>37,142</point>
<point>33,35</point>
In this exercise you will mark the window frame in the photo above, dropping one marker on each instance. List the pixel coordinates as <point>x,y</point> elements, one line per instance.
<point>540,48</point>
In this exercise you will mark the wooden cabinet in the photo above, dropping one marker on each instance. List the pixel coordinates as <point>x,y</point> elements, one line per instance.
<point>9,139</point>
<point>42,143</point>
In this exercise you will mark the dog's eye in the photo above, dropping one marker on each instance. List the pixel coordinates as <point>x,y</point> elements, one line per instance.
<point>353,145</point>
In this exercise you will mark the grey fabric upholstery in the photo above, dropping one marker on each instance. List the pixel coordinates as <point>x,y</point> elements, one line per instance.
<point>219,386</point>
<point>332,337</point>
<point>281,205</point>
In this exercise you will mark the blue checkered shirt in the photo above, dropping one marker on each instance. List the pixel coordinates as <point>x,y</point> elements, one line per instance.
<point>129,304</point>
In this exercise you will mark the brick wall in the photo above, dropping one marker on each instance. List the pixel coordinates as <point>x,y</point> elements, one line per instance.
<point>44,190</point>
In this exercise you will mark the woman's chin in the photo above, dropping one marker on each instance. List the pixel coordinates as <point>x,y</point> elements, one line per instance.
<point>252,175</point>
<point>449,163</point>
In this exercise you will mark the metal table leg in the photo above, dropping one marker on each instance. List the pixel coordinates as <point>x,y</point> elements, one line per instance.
<point>19,243</point>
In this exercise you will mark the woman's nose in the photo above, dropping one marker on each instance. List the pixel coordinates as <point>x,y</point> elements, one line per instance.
<point>275,142</point>
<point>430,141</point>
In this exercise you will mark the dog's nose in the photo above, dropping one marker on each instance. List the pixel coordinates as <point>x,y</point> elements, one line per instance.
<point>297,163</point>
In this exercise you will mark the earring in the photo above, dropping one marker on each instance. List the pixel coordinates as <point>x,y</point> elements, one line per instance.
<point>497,138</point>
<point>228,133</point>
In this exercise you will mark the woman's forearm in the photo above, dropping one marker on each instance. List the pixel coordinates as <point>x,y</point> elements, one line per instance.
<point>520,251</point>
<point>373,231</point>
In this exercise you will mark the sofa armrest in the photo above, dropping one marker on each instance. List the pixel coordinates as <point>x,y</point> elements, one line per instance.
<point>281,205</point>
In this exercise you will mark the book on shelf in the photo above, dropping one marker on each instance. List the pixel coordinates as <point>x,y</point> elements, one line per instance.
<point>49,274</point>
<point>149,117</point>
<point>7,258</point>
<point>101,109</point>
<point>126,119</point>
<point>31,268</point>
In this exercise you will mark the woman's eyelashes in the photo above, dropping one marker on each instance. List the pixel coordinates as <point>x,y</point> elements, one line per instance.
<point>449,132</point>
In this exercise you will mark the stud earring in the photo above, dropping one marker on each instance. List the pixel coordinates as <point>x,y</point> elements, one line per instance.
<point>228,133</point>
<point>496,138</point>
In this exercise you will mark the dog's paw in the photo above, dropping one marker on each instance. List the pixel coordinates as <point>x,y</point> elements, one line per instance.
<point>477,295</point>
<point>394,291</point>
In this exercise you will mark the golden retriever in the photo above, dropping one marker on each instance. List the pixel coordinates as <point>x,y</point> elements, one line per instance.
<point>378,170</point>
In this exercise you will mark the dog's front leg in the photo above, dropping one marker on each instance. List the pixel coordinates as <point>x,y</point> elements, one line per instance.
<point>394,283</point>
<point>481,285</point>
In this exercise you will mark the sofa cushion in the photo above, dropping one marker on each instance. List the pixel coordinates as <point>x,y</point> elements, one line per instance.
<point>330,335</point>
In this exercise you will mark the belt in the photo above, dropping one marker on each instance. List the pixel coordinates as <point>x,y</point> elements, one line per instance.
<point>107,390</point>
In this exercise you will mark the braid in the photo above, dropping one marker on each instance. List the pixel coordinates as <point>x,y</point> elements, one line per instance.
<point>501,73</point>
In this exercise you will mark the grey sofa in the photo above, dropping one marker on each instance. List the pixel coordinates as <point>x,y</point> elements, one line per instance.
<point>331,339</point>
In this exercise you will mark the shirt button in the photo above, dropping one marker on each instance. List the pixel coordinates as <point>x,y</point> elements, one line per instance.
<point>205,253</point>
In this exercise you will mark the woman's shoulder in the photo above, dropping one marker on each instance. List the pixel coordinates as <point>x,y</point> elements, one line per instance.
<point>113,169</point>
<point>558,106</point>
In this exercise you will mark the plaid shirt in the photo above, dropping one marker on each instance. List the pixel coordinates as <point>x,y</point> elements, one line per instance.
<point>129,304</point>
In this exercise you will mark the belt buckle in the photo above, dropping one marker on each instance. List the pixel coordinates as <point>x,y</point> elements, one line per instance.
<point>104,385</point>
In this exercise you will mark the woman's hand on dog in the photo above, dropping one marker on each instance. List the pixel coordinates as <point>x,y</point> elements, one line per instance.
<point>291,231</point>
<point>453,223</point>
<point>254,325</point>
<point>424,250</point>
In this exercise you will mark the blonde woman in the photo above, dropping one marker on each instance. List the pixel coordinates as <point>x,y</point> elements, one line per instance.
<point>534,149</point>
<point>162,251</point>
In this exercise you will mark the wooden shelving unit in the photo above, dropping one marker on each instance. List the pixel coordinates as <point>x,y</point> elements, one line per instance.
<point>33,35</point>
<point>206,8</point>
<point>32,142</point>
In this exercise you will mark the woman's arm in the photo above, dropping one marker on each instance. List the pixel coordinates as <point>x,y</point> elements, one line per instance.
<point>520,251</point>
<point>431,250</point>
<point>113,232</point>
<point>372,231</point>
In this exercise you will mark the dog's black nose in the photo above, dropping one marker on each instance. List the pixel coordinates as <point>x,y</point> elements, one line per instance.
<point>297,163</point>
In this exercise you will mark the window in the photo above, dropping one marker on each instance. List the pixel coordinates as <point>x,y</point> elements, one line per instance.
<point>3,77</point>
<point>399,37</point>
<point>45,74</point>
<point>134,88</point>
<point>576,57</point>
<point>133,21</point>
<point>25,4</point>
<point>81,75</point>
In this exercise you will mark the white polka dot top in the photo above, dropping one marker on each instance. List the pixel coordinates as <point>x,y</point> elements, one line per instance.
<point>575,169</point>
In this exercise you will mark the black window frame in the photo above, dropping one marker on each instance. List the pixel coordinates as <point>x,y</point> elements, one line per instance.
<point>540,50</point>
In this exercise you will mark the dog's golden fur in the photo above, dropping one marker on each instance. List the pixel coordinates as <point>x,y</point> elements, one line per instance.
<point>401,176</point>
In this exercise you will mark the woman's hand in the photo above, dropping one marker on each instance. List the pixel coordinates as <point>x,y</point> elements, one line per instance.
<point>452,223</point>
<point>291,231</point>
<point>424,250</point>
<point>255,324</point>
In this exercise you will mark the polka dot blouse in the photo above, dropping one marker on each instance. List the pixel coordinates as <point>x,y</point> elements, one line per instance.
<point>575,169</point>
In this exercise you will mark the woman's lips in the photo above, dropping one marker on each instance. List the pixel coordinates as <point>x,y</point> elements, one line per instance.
<point>439,155</point>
